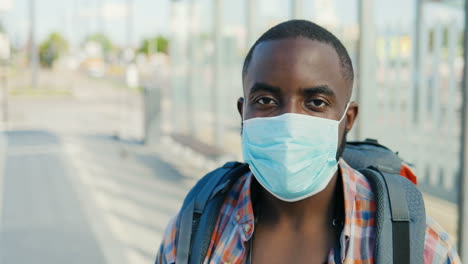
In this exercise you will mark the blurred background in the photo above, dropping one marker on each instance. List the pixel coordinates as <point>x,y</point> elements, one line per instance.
<point>112,109</point>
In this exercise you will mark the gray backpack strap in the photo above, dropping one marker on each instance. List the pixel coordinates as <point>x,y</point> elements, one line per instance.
<point>203,232</point>
<point>400,218</point>
<point>194,207</point>
<point>185,232</point>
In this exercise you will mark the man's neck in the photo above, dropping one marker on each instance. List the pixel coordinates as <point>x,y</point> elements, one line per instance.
<point>317,210</point>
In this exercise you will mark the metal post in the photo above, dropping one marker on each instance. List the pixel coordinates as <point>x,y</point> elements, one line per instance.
<point>5,93</point>
<point>417,51</point>
<point>76,25</point>
<point>33,56</point>
<point>365,92</point>
<point>296,9</point>
<point>170,116</point>
<point>129,23</point>
<point>250,22</point>
<point>463,191</point>
<point>100,13</point>
<point>216,90</point>
<point>191,46</point>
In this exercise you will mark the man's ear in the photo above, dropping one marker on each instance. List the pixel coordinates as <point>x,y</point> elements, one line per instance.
<point>240,106</point>
<point>351,115</point>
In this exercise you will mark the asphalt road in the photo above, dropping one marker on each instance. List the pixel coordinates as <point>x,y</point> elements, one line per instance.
<point>43,219</point>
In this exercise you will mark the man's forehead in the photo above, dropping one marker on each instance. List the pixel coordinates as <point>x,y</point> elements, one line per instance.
<point>310,61</point>
<point>289,48</point>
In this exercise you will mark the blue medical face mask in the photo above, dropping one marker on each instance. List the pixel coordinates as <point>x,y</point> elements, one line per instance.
<point>293,156</point>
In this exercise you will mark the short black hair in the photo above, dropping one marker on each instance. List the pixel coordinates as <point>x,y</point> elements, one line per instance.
<point>306,29</point>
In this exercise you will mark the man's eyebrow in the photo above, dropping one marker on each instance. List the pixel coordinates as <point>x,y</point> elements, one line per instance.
<point>263,87</point>
<point>322,89</point>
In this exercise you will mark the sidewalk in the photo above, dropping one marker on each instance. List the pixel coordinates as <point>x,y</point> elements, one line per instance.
<point>134,191</point>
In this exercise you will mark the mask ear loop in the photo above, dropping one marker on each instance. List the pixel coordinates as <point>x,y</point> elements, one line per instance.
<point>345,111</point>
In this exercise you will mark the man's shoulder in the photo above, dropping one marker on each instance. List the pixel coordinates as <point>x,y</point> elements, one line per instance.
<point>436,230</point>
<point>438,247</point>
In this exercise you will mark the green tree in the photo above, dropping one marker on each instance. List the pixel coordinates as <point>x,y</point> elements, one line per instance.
<point>51,49</point>
<point>102,40</point>
<point>152,45</point>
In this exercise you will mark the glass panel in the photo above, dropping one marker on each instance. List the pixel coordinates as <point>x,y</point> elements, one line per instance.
<point>419,74</point>
<point>179,63</point>
<point>270,13</point>
<point>233,49</point>
<point>202,70</point>
<point>338,16</point>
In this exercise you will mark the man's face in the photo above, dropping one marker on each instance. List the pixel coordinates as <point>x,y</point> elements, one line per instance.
<point>299,76</point>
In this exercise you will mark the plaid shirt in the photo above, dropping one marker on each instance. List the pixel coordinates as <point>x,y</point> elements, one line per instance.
<point>235,226</point>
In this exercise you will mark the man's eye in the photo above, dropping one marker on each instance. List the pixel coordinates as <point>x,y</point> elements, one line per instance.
<point>266,101</point>
<point>317,103</point>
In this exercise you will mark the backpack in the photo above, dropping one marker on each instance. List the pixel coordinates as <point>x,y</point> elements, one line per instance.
<point>400,214</point>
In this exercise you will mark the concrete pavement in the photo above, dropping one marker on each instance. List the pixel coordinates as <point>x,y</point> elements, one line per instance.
<point>136,192</point>
<point>73,192</point>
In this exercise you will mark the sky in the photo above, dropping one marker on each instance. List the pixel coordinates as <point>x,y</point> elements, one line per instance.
<point>78,18</point>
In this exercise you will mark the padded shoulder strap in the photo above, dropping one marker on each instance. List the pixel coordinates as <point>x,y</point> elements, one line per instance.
<point>185,232</point>
<point>400,218</point>
<point>195,204</point>
<point>383,224</point>
<point>212,186</point>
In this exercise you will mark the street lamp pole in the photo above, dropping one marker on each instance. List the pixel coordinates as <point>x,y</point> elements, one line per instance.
<point>33,56</point>
<point>191,64</point>
<point>100,16</point>
<point>463,195</point>
<point>251,10</point>
<point>366,61</point>
<point>129,23</point>
<point>216,88</point>
<point>296,8</point>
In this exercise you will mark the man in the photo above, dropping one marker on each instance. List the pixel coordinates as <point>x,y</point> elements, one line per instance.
<point>296,112</point>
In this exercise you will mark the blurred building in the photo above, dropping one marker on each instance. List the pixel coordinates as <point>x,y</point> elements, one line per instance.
<point>407,55</point>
